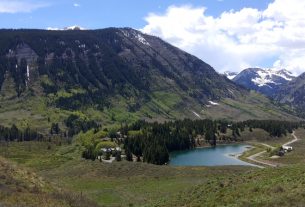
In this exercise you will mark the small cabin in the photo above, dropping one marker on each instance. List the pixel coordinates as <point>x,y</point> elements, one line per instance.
<point>287,148</point>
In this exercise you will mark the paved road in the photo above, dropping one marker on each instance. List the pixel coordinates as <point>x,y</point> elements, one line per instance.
<point>253,157</point>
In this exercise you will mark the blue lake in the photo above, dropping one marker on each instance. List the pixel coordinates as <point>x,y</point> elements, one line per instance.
<point>209,156</point>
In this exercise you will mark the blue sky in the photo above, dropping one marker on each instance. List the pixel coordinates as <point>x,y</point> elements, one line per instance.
<point>228,34</point>
<point>94,14</point>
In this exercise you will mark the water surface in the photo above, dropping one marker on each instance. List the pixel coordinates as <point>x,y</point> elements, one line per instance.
<point>209,156</point>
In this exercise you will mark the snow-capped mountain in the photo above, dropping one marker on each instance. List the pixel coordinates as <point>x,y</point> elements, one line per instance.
<point>230,75</point>
<point>266,81</point>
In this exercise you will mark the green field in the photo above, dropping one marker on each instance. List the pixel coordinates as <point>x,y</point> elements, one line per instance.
<point>139,184</point>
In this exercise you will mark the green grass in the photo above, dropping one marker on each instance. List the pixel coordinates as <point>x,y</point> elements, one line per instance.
<point>118,184</point>
<point>255,149</point>
<point>251,106</point>
<point>259,136</point>
<point>39,155</point>
<point>21,187</point>
<point>38,112</point>
<point>123,184</point>
<point>267,187</point>
<point>139,184</point>
<point>297,155</point>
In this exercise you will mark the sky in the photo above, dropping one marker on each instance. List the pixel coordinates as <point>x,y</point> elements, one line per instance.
<point>230,35</point>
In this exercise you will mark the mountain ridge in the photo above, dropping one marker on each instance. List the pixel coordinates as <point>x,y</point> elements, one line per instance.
<point>293,94</point>
<point>114,75</point>
<point>266,81</point>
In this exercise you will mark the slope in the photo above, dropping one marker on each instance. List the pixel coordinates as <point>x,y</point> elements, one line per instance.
<point>293,94</point>
<point>111,75</point>
<point>265,81</point>
<point>21,187</point>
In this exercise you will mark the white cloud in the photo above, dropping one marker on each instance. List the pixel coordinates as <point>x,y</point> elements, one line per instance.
<point>76,5</point>
<point>20,6</point>
<point>237,39</point>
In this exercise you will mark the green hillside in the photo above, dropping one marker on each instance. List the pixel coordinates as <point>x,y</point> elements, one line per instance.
<point>22,187</point>
<point>68,95</point>
<point>112,77</point>
<point>140,184</point>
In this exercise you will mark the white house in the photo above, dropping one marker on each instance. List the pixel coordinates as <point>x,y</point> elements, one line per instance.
<point>287,148</point>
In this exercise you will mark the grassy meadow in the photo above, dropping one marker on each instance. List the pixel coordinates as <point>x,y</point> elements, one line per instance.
<point>139,184</point>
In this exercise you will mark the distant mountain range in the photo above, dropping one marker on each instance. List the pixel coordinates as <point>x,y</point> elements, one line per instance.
<point>265,81</point>
<point>280,85</point>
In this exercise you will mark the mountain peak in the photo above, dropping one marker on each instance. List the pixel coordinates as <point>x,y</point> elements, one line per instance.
<point>264,80</point>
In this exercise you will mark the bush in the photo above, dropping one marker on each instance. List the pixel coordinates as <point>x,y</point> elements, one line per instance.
<point>118,156</point>
<point>105,144</point>
<point>275,151</point>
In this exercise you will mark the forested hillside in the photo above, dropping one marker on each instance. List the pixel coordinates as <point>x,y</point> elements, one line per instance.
<point>293,94</point>
<point>152,142</point>
<point>113,75</point>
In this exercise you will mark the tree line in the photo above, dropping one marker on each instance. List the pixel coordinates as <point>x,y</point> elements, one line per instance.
<point>15,134</point>
<point>154,141</point>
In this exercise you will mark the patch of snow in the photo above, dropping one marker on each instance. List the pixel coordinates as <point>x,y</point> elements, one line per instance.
<point>125,33</point>
<point>214,103</point>
<point>27,75</point>
<point>231,91</point>
<point>135,35</point>
<point>82,46</point>
<point>287,75</point>
<point>196,114</point>
<point>28,72</point>
<point>267,76</point>
<point>142,39</point>
<point>264,77</point>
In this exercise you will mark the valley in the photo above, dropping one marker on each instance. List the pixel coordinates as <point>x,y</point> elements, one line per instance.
<point>140,184</point>
<point>93,118</point>
<point>110,76</point>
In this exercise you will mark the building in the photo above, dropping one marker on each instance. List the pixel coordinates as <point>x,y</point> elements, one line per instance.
<point>287,148</point>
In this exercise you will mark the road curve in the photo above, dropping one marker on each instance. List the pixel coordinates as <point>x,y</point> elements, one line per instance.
<point>253,157</point>
<point>292,141</point>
